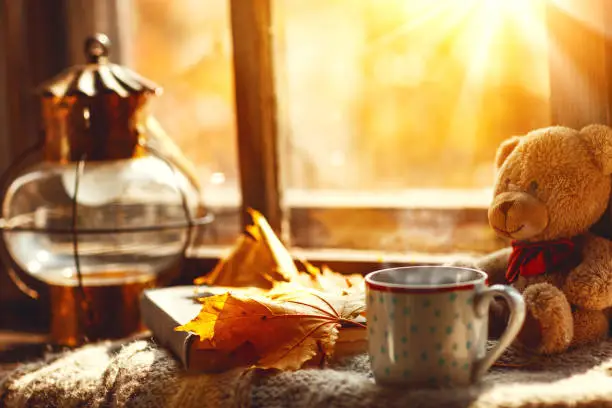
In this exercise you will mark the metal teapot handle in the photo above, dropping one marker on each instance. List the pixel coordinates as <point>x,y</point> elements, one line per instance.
<point>7,176</point>
<point>21,285</point>
<point>10,268</point>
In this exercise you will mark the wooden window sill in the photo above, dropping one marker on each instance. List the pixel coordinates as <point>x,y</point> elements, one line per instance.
<point>346,256</point>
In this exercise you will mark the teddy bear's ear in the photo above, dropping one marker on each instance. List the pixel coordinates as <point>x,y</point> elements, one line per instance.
<point>504,150</point>
<point>599,140</point>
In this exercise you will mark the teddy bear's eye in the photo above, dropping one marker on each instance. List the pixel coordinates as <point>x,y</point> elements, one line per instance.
<point>533,186</point>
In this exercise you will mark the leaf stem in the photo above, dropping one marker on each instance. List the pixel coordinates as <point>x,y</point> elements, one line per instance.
<point>327,303</point>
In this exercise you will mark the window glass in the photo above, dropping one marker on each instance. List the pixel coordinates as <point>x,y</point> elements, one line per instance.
<point>185,46</point>
<point>394,109</point>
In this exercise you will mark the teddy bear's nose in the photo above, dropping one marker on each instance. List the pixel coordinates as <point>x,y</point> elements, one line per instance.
<point>505,206</point>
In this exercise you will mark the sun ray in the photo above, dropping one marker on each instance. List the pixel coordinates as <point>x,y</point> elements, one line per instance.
<point>465,115</point>
<point>527,20</point>
<point>438,20</point>
<point>423,18</point>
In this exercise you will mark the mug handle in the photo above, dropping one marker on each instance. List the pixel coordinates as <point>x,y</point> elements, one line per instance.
<point>515,301</point>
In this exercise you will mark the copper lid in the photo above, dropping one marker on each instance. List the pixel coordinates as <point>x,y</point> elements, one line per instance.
<point>93,111</point>
<point>98,76</point>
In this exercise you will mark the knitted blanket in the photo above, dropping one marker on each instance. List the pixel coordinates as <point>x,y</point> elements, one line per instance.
<point>142,374</point>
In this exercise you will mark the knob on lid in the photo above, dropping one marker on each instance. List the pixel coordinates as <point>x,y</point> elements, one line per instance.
<point>98,76</point>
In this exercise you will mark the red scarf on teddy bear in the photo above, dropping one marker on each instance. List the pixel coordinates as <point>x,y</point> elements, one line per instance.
<point>531,259</point>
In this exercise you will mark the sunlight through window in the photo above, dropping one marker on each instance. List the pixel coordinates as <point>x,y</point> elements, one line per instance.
<point>405,87</point>
<point>382,104</point>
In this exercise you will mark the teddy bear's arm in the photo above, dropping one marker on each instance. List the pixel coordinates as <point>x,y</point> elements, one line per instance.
<point>589,285</point>
<point>494,264</point>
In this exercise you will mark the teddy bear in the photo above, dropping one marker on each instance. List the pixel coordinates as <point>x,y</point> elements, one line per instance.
<point>552,186</point>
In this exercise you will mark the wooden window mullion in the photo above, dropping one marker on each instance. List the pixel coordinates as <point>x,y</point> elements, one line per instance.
<point>580,63</point>
<point>256,109</point>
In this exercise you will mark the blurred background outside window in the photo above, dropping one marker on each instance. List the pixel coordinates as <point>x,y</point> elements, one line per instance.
<point>390,111</point>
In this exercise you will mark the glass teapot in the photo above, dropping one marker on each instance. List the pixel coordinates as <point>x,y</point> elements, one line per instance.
<point>107,212</point>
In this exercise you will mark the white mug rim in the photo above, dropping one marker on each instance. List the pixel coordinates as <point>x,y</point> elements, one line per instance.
<point>481,280</point>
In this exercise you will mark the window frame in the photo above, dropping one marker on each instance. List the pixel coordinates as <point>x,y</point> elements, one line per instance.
<point>587,51</point>
<point>38,46</point>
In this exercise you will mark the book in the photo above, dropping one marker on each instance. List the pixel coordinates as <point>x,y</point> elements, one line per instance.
<point>164,309</point>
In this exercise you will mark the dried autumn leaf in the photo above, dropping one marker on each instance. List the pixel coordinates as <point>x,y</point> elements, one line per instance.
<point>258,259</point>
<point>285,330</point>
<point>351,282</point>
<point>326,280</point>
<point>347,305</point>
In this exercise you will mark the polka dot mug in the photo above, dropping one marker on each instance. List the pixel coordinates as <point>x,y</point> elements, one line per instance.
<point>428,325</point>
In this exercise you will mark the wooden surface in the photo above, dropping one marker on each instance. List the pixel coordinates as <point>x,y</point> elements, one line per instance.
<point>580,55</point>
<point>256,109</point>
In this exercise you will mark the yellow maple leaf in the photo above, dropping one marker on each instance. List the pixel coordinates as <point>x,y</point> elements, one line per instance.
<point>284,316</point>
<point>285,330</point>
<point>258,259</point>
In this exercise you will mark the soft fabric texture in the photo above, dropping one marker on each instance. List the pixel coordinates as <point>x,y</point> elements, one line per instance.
<point>553,185</point>
<point>141,374</point>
